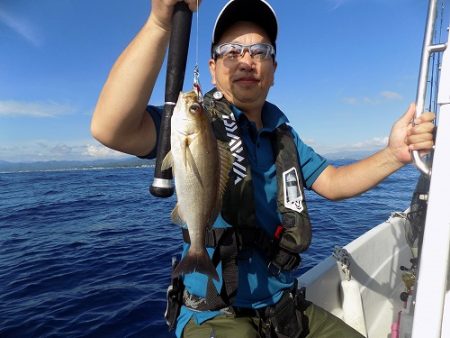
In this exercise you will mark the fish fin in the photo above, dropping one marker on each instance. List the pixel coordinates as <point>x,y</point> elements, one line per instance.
<point>176,216</point>
<point>167,161</point>
<point>196,262</point>
<point>191,163</point>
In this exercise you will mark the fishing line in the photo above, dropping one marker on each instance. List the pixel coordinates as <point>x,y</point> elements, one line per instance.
<point>197,87</point>
<point>196,35</point>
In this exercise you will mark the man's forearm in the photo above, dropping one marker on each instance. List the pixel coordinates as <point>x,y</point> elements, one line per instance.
<point>356,178</point>
<point>119,119</point>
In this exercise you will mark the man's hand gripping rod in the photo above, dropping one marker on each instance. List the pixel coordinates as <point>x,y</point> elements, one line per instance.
<point>162,185</point>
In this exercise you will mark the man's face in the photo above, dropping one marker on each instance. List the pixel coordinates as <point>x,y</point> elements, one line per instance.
<point>245,81</point>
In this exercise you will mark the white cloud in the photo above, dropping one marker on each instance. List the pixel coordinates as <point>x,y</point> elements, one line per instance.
<point>350,100</point>
<point>370,145</point>
<point>335,4</point>
<point>310,141</point>
<point>21,27</point>
<point>100,151</point>
<point>43,150</point>
<point>13,108</point>
<point>376,142</point>
<point>382,97</point>
<point>388,95</point>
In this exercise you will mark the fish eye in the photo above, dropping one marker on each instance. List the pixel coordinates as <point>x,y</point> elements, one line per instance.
<point>194,108</point>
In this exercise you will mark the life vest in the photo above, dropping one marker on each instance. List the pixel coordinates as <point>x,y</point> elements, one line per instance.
<point>282,248</point>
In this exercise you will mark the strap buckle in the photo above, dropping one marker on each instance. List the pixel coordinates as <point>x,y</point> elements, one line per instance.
<point>274,269</point>
<point>283,260</point>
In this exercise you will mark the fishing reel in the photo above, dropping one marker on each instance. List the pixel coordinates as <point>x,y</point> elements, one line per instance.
<point>409,277</point>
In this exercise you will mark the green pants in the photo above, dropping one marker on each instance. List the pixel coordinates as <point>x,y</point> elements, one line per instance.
<point>322,324</point>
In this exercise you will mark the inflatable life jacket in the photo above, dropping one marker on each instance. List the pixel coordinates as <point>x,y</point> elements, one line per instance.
<point>282,248</point>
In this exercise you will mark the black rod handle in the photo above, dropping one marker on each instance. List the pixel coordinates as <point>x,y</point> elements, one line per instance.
<point>162,185</point>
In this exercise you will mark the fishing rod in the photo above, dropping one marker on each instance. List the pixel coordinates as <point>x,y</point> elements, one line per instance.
<point>162,185</point>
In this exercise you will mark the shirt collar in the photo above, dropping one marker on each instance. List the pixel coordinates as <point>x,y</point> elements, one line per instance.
<point>272,116</point>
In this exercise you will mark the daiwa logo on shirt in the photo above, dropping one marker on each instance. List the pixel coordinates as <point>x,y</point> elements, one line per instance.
<point>293,196</point>
<point>235,147</point>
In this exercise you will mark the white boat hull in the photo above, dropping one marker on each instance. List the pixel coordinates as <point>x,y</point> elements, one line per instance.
<point>375,263</point>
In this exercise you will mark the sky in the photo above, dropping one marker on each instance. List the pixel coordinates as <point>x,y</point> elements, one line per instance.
<point>347,69</point>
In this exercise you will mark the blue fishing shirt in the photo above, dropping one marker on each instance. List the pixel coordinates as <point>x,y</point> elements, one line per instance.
<point>257,288</point>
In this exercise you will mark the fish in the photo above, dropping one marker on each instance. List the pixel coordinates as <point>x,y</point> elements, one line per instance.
<point>200,165</point>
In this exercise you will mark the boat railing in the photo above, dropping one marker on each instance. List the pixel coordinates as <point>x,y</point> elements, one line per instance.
<point>428,49</point>
<point>434,258</point>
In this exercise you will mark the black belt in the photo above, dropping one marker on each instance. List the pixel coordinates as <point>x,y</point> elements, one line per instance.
<point>246,237</point>
<point>248,312</point>
<point>212,236</point>
<point>201,304</point>
<point>198,303</point>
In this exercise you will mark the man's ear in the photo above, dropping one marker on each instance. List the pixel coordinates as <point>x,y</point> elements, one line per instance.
<point>212,70</point>
<point>275,64</point>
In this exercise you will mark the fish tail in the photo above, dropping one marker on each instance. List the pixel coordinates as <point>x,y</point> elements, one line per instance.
<point>196,262</point>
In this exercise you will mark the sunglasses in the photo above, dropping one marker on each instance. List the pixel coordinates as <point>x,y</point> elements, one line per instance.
<point>233,51</point>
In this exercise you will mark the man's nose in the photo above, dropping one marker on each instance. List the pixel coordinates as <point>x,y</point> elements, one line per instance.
<point>246,59</point>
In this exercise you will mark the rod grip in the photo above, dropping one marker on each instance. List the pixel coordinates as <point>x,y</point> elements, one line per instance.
<point>162,185</point>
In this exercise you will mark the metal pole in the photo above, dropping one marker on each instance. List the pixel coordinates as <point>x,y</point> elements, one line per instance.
<point>427,49</point>
<point>434,260</point>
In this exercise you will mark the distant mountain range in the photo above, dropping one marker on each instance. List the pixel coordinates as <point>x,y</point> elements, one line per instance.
<point>348,155</point>
<point>6,166</point>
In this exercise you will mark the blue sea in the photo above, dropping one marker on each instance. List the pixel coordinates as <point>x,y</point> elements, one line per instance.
<point>86,253</point>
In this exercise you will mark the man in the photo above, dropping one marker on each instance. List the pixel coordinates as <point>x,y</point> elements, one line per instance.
<point>256,293</point>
